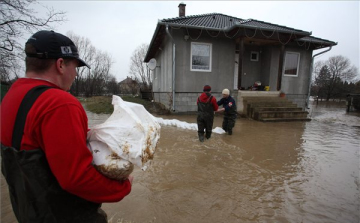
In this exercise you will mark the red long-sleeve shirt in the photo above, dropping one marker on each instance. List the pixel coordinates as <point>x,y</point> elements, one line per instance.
<point>57,124</point>
<point>204,98</point>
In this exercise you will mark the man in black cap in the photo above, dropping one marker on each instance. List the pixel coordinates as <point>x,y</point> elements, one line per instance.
<point>45,159</point>
<point>206,107</point>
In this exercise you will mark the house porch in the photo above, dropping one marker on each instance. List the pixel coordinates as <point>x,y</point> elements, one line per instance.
<point>243,94</point>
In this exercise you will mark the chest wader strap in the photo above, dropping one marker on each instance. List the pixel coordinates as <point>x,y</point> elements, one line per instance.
<point>35,194</point>
<point>22,113</point>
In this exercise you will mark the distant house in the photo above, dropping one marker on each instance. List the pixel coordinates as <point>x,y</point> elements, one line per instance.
<point>229,52</point>
<point>129,86</point>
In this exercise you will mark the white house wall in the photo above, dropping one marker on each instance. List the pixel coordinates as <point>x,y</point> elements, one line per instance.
<point>296,88</point>
<point>189,84</point>
<point>162,79</point>
<point>222,64</point>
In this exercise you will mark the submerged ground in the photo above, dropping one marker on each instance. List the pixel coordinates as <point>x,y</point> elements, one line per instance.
<point>264,172</point>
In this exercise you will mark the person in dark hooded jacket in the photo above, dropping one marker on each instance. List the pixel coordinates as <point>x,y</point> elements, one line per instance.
<point>206,107</point>
<point>229,109</point>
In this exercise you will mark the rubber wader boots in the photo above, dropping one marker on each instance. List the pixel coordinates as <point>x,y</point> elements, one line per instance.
<point>201,137</point>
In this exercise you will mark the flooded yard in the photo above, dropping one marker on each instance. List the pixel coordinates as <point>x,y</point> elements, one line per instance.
<point>264,172</point>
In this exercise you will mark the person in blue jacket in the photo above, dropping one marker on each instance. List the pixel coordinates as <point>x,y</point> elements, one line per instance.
<point>229,109</point>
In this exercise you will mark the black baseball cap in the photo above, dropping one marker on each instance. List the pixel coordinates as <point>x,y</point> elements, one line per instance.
<point>52,45</point>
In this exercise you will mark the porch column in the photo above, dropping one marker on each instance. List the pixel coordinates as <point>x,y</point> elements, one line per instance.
<point>241,52</point>
<point>281,59</point>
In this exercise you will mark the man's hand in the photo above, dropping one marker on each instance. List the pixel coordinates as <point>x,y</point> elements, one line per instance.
<point>220,110</point>
<point>131,178</point>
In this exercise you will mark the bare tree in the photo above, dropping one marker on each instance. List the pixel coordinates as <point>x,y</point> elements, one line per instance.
<point>138,68</point>
<point>17,19</point>
<point>340,67</point>
<point>333,77</point>
<point>101,72</point>
<point>112,86</point>
<point>91,81</point>
<point>87,52</point>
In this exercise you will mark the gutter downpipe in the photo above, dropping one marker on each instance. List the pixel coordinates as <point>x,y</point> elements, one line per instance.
<point>173,67</point>
<point>311,70</point>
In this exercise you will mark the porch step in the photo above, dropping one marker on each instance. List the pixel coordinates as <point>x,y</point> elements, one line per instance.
<point>266,110</point>
<point>268,104</point>
<point>253,99</point>
<point>284,119</point>
<point>273,109</point>
<point>280,114</point>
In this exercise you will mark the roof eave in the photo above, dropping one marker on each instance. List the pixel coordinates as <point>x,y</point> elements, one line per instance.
<point>239,25</point>
<point>318,42</point>
<point>146,59</point>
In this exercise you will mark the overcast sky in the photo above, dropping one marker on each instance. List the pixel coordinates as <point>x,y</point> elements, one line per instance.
<point>118,27</point>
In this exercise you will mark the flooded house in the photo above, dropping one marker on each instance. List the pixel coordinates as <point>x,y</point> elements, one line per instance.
<point>257,61</point>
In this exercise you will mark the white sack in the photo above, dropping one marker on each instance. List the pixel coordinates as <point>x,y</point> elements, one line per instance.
<point>185,125</point>
<point>129,136</point>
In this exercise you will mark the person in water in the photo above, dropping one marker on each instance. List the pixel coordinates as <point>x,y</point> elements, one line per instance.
<point>205,116</point>
<point>229,109</point>
<point>44,156</point>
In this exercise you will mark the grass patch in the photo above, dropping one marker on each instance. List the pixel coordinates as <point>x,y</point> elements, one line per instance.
<point>137,100</point>
<point>102,104</point>
<point>98,104</point>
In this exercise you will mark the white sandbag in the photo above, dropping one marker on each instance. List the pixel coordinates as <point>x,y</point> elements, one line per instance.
<point>218,130</point>
<point>129,136</point>
<point>185,125</point>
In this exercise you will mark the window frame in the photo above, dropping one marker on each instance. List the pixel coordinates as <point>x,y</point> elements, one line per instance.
<point>298,64</point>
<point>257,55</point>
<point>191,55</point>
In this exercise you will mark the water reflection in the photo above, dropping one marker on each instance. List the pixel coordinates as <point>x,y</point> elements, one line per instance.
<point>326,187</point>
<point>265,172</point>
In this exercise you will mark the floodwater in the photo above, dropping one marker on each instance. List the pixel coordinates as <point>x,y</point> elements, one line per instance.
<point>264,172</point>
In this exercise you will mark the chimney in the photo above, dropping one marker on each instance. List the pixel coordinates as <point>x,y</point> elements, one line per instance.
<point>182,9</point>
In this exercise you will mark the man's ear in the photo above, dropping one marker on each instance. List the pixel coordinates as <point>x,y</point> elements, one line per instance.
<point>60,63</point>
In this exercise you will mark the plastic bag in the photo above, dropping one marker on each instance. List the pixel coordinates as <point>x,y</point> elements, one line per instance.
<point>129,136</point>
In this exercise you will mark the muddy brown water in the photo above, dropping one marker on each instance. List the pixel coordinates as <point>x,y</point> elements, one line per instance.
<point>264,172</point>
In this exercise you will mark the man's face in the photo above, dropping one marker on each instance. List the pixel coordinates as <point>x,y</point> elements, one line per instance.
<point>70,73</point>
<point>225,95</point>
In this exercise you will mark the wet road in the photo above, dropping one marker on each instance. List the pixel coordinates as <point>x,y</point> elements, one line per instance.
<point>264,172</point>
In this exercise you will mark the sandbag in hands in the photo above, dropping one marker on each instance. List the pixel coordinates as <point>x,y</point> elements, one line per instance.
<point>129,136</point>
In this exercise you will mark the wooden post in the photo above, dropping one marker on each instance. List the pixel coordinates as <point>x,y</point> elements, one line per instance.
<point>281,59</point>
<point>241,52</point>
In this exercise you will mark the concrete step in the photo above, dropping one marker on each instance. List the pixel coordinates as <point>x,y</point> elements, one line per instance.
<point>247,101</point>
<point>280,114</point>
<point>268,105</point>
<point>260,109</point>
<point>273,109</point>
<point>284,119</point>
<point>254,99</point>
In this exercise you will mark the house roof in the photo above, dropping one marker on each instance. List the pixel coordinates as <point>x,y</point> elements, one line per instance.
<point>233,27</point>
<point>221,21</point>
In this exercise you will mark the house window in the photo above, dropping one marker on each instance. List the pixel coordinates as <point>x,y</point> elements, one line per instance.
<point>200,57</point>
<point>291,66</point>
<point>254,56</point>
